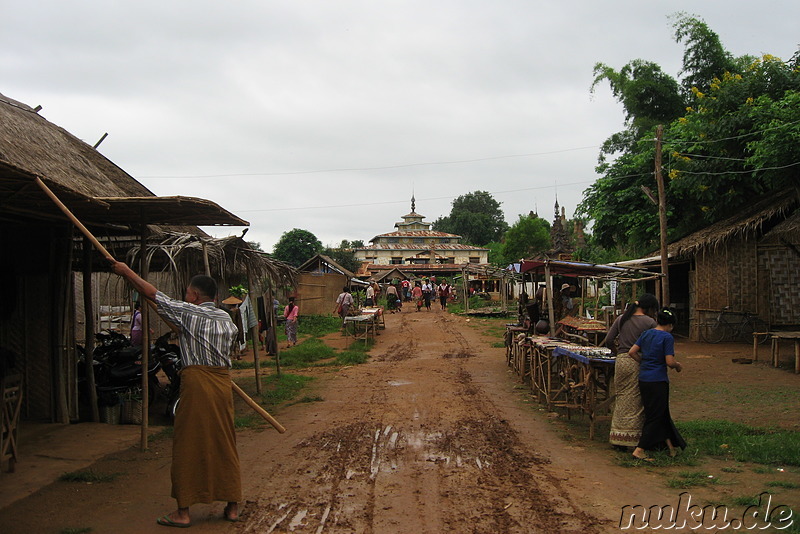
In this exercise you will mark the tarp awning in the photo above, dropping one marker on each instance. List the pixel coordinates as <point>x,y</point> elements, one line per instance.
<point>573,268</point>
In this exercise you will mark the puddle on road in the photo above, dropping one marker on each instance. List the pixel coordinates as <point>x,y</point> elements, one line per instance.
<point>399,382</point>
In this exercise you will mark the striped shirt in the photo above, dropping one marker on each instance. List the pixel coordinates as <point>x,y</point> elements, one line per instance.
<point>207,333</point>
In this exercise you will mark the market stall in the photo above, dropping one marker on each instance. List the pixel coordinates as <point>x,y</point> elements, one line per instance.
<point>567,369</point>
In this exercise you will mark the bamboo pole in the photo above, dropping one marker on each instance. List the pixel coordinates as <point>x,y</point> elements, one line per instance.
<point>263,413</point>
<point>254,330</point>
<point>549,289</point>
<point>88,321</point>
<point>144,272</point>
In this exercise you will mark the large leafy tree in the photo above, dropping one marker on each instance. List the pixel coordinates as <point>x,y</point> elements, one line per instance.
<point>733,137</point>
<point>296,246</point>
<point>476,217</point>
<point>528,237</point>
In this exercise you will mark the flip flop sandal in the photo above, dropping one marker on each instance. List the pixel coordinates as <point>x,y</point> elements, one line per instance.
<point>165,521</point>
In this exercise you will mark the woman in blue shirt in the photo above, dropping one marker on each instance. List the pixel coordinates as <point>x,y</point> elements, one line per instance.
<point>655,352</point>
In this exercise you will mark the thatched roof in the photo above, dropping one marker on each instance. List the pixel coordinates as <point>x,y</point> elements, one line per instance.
<point>323,263</point>
<point>31,143</point>
<point>787,231</point>
<point>747,221</point>
<point>98,192</point>
<point>230,259</point>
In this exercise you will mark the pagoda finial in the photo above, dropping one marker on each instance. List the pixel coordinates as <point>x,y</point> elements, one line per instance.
<point>413,204</point>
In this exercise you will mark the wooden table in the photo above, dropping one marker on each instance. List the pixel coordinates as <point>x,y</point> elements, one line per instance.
<point>364,326</point>
<point>583,330</point>
<point>513,347</point>
<point>585,384</point>
<point>377,311</point>
<point>776,339</point>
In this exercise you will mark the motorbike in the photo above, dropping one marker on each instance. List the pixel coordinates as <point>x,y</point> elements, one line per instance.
<point>118,369</point>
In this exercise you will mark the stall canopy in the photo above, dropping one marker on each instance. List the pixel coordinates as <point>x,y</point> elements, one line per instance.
<point>20,196</point>
<point>574,268</point>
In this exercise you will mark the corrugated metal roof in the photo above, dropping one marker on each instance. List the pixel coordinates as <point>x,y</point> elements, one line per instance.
<point>421,246</point>
<point>417,233</point>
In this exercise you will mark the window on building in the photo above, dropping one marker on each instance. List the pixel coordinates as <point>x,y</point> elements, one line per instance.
<point>393,240</point>
<point>418,241</point>
<point>397,260</point>
<point>474,259</point>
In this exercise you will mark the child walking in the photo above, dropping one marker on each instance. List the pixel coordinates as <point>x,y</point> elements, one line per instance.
<point>655,352</point>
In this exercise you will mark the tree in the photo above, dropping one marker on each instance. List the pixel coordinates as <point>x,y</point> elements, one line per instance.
<point>296,246</point>
<point>735,139</point>
<point>526,238</point>
<point>476,217</point>
<point>344,256</point>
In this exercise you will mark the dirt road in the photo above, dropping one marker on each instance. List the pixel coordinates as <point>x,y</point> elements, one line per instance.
<point>429,436</point>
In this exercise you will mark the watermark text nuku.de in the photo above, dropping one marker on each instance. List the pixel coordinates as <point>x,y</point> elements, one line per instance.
<point>765,514</point>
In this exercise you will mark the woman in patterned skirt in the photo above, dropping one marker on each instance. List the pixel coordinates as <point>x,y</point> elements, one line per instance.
<point>628,417</point>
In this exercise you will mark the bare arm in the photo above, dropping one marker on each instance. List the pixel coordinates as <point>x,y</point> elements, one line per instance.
<point>672,362</point>
<point>635,353</point>
<point>145,288</point>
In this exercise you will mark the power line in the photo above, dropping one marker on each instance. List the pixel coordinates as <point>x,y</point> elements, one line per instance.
<point>361,204</point>
<point>380,168</point>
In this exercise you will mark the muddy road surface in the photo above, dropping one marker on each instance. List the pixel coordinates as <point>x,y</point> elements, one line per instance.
<point>433,434</point>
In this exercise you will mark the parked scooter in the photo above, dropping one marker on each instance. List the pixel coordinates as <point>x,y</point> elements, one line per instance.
<point>118,369</point>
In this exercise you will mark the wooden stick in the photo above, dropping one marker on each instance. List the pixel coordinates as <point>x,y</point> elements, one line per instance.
<point>253,404</point>
<point>74,219</point>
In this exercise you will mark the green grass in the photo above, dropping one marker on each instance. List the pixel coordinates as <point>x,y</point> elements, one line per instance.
<point>308,399</point>
<point>242,364</point>
<point>247,420</point>
<point>783,484</point>
<point>88,477</point>
<point>280,389</point>
<point>318,325</point>
<point>355,354</point>
<point>306,353</point>
<point>742,443</point>
<point>691,479</point>
<point>78,530</point>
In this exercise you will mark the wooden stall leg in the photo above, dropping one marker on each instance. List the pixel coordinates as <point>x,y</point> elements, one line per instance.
<point>797,356</point>
<point>774,351</point>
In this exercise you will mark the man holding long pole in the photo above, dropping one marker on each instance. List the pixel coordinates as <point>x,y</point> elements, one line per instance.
<point>205,462</point>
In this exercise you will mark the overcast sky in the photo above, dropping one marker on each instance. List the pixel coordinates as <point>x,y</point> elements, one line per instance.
<point>327,115</point>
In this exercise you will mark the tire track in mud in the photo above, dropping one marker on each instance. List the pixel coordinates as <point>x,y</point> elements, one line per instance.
<point>425,453</point>
<point>524,495</point>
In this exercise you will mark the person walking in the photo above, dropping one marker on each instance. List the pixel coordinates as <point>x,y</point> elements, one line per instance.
<point>369,299</point>
<point>290,326</point>
<point>628,416</point>
<point>205,462</point>
<point>416,294</point>
<point>655,350</point>
<point>444,293</point>
<point>343,303</point>
<point>427,294</point>
<point>392,298</point>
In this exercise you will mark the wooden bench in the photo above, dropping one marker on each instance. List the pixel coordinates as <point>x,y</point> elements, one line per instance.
<point>789,336</point>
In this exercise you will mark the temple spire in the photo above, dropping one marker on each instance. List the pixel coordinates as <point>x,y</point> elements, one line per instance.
<point>413,204</point>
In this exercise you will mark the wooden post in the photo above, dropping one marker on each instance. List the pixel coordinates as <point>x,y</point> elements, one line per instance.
<point>206,264</point>
<point>88,311</point>
<point>254,330</point>
<point>551,315</point>
<point>662,220</point>
<point>144,271</point>
<point>272,323</point>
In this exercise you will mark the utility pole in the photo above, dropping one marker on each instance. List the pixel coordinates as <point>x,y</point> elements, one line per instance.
<point>662,219</point>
